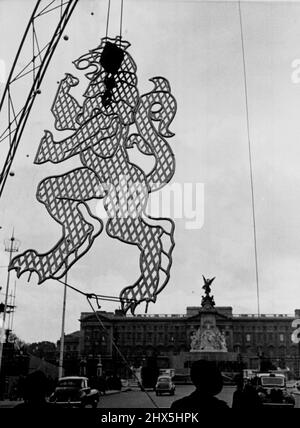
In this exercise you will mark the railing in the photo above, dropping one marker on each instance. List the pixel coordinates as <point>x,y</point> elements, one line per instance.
<point>233,315</point>
<point>156,316</point>
<point>263,316</point>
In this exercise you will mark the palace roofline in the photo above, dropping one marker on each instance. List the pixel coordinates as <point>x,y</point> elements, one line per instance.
<point>191,312</point>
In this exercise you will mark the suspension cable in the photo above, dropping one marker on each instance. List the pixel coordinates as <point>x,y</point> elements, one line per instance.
<point>97,296</point>
<point>250,158</point>
<point>121,20</point>
<point>107,17</point>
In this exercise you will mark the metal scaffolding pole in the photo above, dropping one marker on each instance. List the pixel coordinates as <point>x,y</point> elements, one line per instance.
<point>13,247</point>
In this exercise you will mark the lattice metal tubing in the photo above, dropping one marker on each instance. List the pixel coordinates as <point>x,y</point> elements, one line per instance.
<point>101,138</point>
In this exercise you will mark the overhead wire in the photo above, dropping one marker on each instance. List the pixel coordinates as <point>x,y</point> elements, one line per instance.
<point>46,7</point>
<point>53,8</point>
<point>121,20</point>
<point>93,295</point>
<point>32,92</point>
<point>250,158</point>
<point>107,18</point>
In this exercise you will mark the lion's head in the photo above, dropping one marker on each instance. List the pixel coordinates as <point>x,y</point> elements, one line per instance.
<point>113,82</point>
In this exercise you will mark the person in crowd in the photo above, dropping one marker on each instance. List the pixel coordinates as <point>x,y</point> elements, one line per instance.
<point>35,389</point>
<point>237,399</point>
<point>208,381</point>
<point>245,395</point>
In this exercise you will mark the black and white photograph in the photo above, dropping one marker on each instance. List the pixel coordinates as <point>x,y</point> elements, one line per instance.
<point>149,207</point>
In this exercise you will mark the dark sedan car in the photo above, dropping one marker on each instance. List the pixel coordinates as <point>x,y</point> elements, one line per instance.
<point>74,391</point>
<point>164,384</point>
<point>272,390</point>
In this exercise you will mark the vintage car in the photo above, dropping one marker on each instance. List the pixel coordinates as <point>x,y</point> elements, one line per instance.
<point>297,385</point>
<point>74,391</point>
<point>271,388</point>
<point>165,384</point>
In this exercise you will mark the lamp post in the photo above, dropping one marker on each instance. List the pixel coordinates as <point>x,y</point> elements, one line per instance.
<point>11,246</point>
<point>82,365</point>
<point>62,337</point>
<point>99,366</point>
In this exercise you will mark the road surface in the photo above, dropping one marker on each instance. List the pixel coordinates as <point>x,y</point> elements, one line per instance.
<point>139,399</point>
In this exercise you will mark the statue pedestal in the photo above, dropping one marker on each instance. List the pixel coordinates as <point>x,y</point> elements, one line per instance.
<point>184,360</point>
<point>208,341</point>
<point>210,356</point>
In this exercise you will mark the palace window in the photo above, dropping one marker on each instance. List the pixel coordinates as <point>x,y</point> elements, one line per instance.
<point>259,337</point>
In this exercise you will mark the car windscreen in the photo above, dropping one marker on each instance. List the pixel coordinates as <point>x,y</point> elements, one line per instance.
<point>164,379</point>
<point>73,383</point>
<point>272,381</point>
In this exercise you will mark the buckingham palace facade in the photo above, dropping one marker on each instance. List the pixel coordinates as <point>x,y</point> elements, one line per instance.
<point>255,339</point>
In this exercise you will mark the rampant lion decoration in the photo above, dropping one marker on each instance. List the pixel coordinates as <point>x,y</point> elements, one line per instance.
<point>101,137</point>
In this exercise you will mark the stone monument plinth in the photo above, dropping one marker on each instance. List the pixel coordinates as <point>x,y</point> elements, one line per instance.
<point>207,341</point>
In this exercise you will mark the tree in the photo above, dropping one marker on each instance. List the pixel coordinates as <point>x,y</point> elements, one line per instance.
<point>45,350</point>
<point>19,344</point>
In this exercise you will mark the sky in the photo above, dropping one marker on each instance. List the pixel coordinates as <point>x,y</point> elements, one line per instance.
<point>196,45</point>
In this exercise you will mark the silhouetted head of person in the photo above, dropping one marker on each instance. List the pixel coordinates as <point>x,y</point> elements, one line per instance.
<point>206,377</point>
<point>35,387</point>
<point>239,381</point>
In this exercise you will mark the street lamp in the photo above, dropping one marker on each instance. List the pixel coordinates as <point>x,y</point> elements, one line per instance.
<point>82,366</point>
<point>62,337</point>
<point>11,245</point>
<point>99,367</point>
